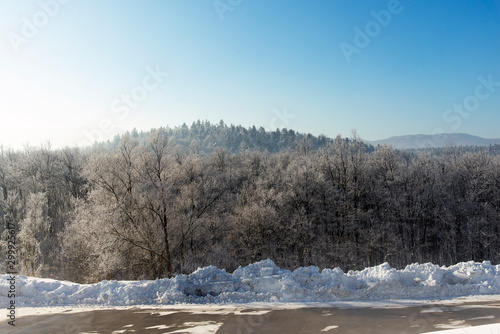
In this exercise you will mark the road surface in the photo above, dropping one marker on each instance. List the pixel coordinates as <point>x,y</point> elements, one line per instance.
<point>240,320</point>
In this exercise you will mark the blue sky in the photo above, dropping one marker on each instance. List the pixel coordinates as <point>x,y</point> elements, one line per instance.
<point>73,71</point>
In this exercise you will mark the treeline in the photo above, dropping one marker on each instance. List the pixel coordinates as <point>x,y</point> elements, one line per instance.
<point>203,137</point>
<point>144,209</point>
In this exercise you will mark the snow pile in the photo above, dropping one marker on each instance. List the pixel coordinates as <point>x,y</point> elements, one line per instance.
<point>265,282</point>
<point>493,328</point>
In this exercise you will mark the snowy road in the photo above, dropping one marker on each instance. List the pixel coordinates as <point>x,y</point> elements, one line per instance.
<point>200,320</point>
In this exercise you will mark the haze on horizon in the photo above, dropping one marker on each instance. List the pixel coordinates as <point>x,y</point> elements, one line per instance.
<point>74,71</point>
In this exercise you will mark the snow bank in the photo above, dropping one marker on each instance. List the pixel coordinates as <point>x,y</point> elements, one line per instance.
<point>493,328</point>
<point>265,282</point>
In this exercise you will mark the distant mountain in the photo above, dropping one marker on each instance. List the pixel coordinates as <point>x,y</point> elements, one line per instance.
<point>433,141</point>
<point>205,137</point>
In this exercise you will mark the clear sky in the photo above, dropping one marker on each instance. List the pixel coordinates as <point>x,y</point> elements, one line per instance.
<point>73,71</point>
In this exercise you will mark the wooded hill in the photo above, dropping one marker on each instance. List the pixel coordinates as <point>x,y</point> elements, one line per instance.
<point>203,137</point>
<point>155,204</point>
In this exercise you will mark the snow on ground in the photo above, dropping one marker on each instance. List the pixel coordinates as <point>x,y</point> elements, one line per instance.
<point>485,329</point>
<point>264,282</point>
<point>202,327</point>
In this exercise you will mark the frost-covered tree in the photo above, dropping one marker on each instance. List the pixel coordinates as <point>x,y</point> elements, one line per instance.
<point>33,232</point>
<point>129,197</point>
<point>154,204</point>
<point>90,251</point>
